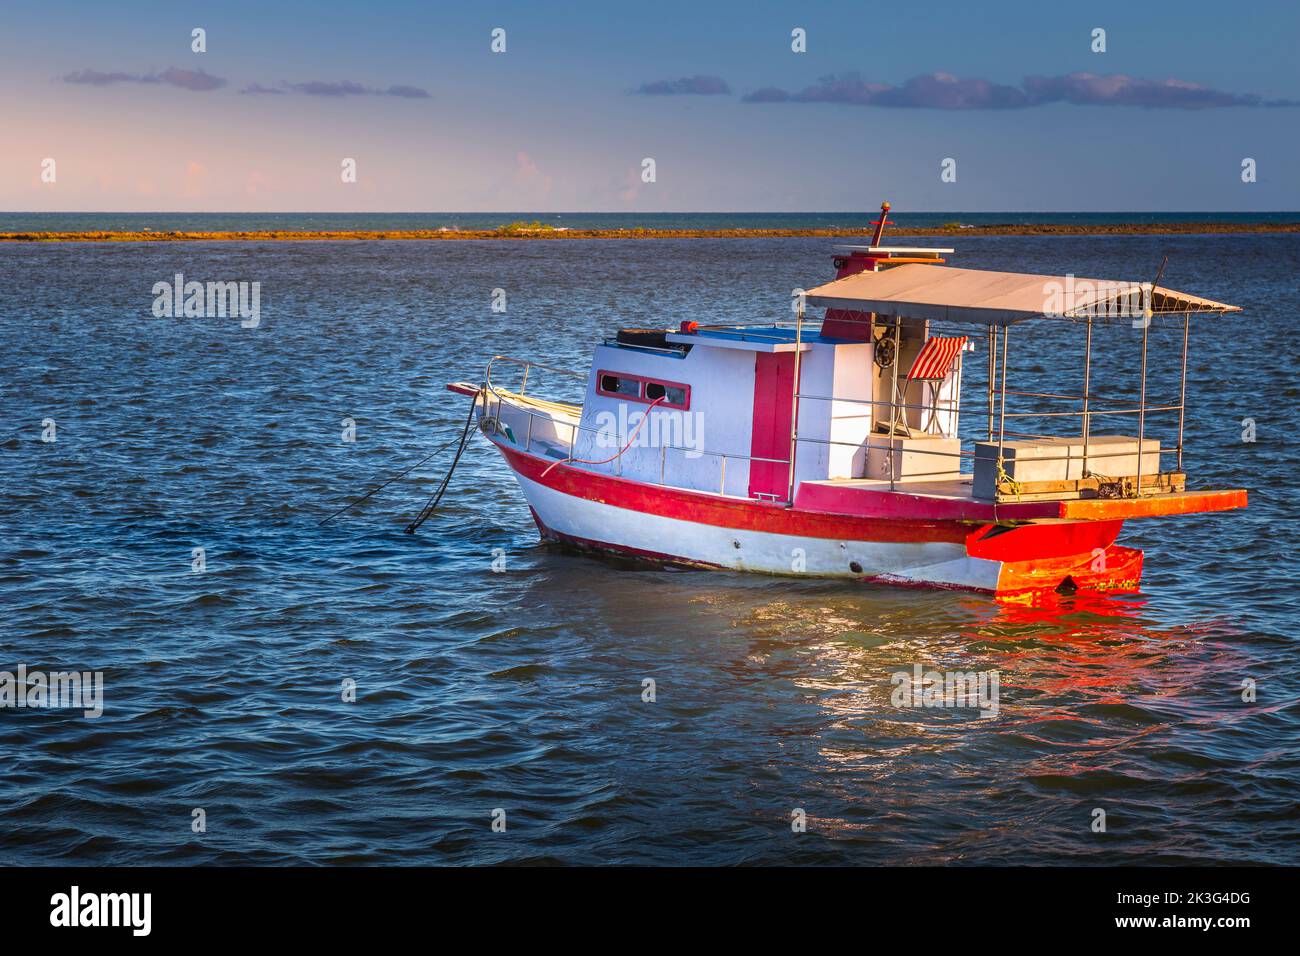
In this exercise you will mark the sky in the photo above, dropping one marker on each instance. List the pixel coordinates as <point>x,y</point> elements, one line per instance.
<point>1013,94</point>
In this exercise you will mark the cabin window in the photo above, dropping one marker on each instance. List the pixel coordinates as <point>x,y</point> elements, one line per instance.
<point>671,394</point>
<point>617,385</point>
<point>636,388</point>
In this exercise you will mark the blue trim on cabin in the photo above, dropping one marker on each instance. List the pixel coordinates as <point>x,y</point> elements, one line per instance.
<point>763,333</point>
<point>652,350</point>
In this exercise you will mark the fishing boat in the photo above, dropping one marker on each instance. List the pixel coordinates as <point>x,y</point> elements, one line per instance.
<point>833,449</point>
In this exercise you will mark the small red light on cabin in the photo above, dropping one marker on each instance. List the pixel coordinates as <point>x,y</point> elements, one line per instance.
<point>689,327</point>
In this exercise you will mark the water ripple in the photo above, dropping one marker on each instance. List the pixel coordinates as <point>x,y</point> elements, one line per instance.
<point>476,691</point>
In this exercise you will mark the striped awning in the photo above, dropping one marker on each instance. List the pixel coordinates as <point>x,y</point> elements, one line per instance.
<point>934,361</point>
<point>922,291</point>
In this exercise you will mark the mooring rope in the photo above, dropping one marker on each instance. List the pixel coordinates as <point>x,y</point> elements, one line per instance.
<point>432,504</point>
<point>1004,477</point>
<point>378,488</point>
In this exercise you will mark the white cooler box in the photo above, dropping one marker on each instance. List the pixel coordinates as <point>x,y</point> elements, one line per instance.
<point>1061,459</point>
<point>919,458</point>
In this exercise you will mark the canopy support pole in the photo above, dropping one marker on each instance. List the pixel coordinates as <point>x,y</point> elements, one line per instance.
<point>1142,407</point>
<point>893,392</point>
<point>1002,405</point>
<point>1087,374</point>
<point>1182,389</point>
<point>794,402</point>
<point>993,371</point>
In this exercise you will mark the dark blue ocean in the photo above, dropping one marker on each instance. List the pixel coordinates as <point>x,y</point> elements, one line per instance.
<point>521,690</point>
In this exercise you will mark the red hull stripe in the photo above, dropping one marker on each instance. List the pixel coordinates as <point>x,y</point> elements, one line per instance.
<point>700,508</point>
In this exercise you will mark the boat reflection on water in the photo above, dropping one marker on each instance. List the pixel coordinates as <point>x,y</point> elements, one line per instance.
<point>847,642</point>
<point>1099,703</point>
<point>1106,647</point>
<point>1073,670</point>
<point>1076,628</point>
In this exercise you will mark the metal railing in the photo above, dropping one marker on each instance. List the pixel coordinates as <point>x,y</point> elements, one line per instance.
<point>879,441</point>
<point>997,383</point>
<point>951,404</point>
<point>574,427</point>
<point>528,365</point>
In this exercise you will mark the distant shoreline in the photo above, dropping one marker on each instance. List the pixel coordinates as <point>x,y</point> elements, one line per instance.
<point>525,233</point>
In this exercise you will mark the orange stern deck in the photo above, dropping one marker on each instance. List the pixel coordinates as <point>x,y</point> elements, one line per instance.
<point>1153,506</point>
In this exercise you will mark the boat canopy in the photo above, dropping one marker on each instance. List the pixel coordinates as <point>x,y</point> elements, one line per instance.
<point>921,291</point>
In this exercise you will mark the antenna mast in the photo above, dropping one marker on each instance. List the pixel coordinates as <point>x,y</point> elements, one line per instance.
<point>881,223</point>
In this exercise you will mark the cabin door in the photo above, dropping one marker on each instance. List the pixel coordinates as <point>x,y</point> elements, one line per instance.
<point>773,405</point>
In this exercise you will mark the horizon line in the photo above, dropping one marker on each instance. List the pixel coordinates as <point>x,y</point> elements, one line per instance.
<point>624,212</point>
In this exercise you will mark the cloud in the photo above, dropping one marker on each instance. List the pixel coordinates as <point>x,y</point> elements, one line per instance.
<point>257,186</point>
<point>340,88</point>
<point>632,187</point>
<point>194,183</point>
<point>529,178</point>
<point>96,78</point>
<point>686,86</point>
<point>943,91</point>
<point>326,88</point>
<point>195,80</point>
<point>407,92</point>
<point>1119,90</point>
